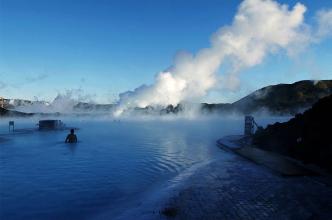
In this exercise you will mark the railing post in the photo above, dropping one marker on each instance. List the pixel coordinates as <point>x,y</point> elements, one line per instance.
<point>248,125</point>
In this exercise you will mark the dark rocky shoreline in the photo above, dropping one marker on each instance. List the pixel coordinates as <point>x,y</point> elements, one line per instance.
<point>306,137</point>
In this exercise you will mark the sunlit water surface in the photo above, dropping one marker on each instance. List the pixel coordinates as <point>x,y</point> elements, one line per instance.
<point>114,163</point>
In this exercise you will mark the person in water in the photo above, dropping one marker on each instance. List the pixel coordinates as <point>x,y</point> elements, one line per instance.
<point>71,138</point>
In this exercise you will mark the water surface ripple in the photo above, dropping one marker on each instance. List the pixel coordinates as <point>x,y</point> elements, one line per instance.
<point>113,163</point>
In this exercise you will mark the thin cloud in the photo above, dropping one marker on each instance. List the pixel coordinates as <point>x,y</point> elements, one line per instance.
<point>2,85</point>
<point>33,79</point>
<point>324,19</point>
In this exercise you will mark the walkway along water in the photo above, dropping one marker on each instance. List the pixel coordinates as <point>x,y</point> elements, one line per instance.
<point>237,188</point>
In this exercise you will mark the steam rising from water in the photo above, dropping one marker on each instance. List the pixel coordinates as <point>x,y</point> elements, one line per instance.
<point>62,103</point>
<point>259,28</point>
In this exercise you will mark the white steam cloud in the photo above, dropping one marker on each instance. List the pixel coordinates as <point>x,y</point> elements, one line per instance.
<point>324,19</point>
<point>62,103</point>
<point>259,28</point>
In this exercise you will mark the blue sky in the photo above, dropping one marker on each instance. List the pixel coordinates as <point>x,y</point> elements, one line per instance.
<point>108,47</point>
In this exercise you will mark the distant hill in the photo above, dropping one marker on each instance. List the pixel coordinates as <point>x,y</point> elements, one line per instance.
<point>22,105</point>
<point>12,103</point>
<point>83,106</point>
<point>277,99</point>
<point>306,137</point>
<point>281,99</point>
<point>12,113</point>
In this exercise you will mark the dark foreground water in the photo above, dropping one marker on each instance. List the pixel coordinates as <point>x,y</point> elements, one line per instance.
<point>113,167</point>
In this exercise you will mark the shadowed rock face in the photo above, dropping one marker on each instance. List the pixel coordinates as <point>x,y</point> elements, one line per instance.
<point>290,98</point>
<point>306,137</point>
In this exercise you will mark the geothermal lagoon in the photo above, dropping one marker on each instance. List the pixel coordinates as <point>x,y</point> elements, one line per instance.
<point>115,168</point>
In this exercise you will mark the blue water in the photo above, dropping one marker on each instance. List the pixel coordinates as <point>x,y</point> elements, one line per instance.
<point>113,164</point>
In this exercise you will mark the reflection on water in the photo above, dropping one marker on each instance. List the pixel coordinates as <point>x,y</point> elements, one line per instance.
<point>72,147</point>
<point>41,177</point>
